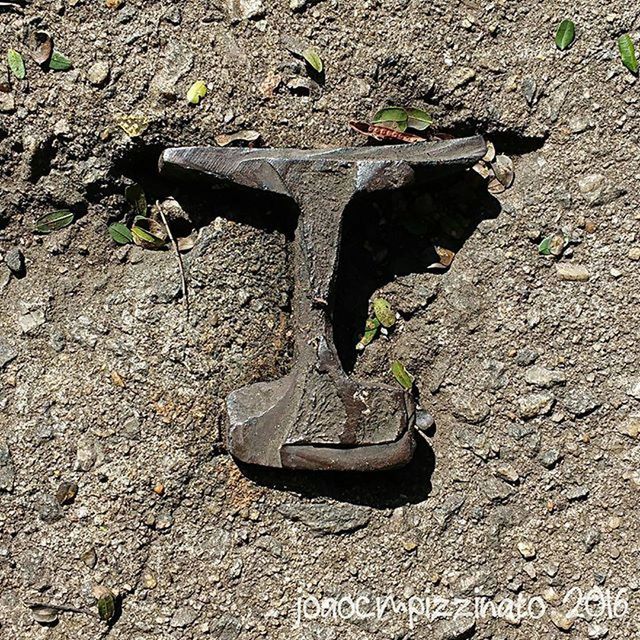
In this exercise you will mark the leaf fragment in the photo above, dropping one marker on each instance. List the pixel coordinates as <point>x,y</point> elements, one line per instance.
<point>503,172</point>
<point>402,375</point>
<point>106,602</point>
<point>67,492</point>
<point>42,48</point>
<point>446,256</point>
<point>313,59</point>
<point>383,312</point>
<point>16,64</point>
<point>134,194</point>
<point>59,62</point>
<point>185,244</point>
<point>565,34</point>
<point>396,115</point>
<point>553,245</point>
<point>197,91</point>
<point>53,221</point>
<point>418,120</point>
<point>148,233</point>
<point>43,614</point>
<point>120,233</point>
<point>244,136</point>
<point>133,125</point>
<point>628,53</point>
<point>384,134</point>
<point>371,329</point>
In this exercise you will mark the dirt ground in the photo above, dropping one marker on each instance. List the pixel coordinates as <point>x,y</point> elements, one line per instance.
<point>530,364</point>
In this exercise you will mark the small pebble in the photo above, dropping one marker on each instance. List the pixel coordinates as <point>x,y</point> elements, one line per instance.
<point>527,550</point>
<point>572,272</point>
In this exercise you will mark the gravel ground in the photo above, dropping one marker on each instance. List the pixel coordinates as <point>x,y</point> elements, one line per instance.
<point>530,365</point>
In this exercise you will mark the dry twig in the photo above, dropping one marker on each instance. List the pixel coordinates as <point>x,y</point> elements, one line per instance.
<point>183,278</point>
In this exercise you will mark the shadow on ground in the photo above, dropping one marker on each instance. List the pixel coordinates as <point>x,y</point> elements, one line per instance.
<point>381,490</point>
<point>386,235</point>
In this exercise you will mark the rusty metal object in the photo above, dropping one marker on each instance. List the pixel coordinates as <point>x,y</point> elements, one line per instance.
<point>317,417</point>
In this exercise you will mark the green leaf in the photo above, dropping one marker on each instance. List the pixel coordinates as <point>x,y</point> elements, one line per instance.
<point>59,62</point>
<point>16,64</point>
<point>565,34</point>
<point>391,114</point>
<point>313,59</point>
<point>134,194</point>
<point>383,312</point>
<point>106,602</point>
<point>628,53</point>
<point>418,120</point>
<point>553,245</point>
<point>402,375</point>
<point>120,233</point>
<point>370,332</point>
<point>148,233</point>
<point>53,221</point>
<point>197,91</point>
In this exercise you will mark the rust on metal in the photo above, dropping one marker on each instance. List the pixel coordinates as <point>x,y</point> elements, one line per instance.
<point>317,417</point>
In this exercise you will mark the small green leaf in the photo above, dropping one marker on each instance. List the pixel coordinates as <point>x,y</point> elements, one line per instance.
<point>148,233</point>
<point>16,64</point>
<point>370,332</point>
<point>313,59</point>
<point>383,312</point>
<point>106,602</point>
<point>134,194</point>
<point>565,34</point>
<point>120,233</point>
<point>553,245</point>
<point>402,375</point>
<point>59,62</point>
<point>418,120</point>
<point>391,114</point>
<point>628,53</point>
<point>197,91</point>
<point>53,221</point>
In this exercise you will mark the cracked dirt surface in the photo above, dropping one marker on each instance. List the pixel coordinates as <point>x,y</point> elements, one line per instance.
<point>529,364</point>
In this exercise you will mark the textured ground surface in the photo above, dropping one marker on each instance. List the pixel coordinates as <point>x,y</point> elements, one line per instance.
<point>534,380</point>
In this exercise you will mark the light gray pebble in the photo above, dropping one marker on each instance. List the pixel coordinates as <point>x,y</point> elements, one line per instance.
<point>535,404</point>
<point>580,402</point>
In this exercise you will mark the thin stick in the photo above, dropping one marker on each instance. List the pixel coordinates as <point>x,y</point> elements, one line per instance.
<point>183,278</point>
<point>61,608</point>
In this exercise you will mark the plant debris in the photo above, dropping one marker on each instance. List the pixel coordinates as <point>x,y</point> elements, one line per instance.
<point>313,59</point>
<point>42,48</point>
<point>148,233</point>
<point>565,34</point>
<point>59,62</point>
<point>134,125</point>
<point>371,328</point>
<point>197,91</point>
<point>67,492</point>
<point>16,64</point>
<point>120,233</point>
<point>44,614</point>
<point>134,194</point>
<point>183,278</point>
<point>384,134</point>
<point>384,314</point>
<point>106,602</point>
<point>53,221</point>
<point>245,136</point>
<point>401,374</point>
<point>553,245</point>
<point>628,53</point>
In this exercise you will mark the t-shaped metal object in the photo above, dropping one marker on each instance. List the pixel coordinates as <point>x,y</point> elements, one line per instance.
<point>317,417</point>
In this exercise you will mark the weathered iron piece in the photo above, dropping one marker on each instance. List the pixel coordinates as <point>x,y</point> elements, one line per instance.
<point>317,417</point>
